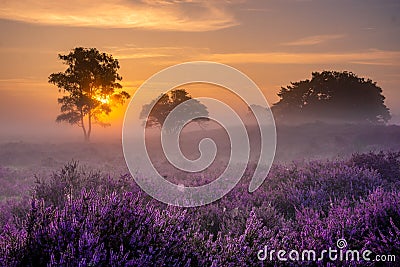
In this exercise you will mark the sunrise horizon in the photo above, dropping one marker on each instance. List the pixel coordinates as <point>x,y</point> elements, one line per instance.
<point>274,43</point>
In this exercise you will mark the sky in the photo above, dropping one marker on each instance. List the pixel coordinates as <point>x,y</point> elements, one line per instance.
<point>274,42</point>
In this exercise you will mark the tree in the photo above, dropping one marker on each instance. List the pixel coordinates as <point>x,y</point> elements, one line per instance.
<point>91,86</point>
<point>332,96</point>
<point>169,101</point>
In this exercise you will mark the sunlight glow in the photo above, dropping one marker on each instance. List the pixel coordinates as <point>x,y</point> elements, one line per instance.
<point>103,99</point>
<point>121,14</point>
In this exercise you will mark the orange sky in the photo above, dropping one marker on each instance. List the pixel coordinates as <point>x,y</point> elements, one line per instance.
<point>273,42</point>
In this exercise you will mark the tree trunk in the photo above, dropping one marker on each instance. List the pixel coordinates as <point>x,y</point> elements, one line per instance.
<point>89,117</point>
<point>89,127</point>
<point>85,135</point>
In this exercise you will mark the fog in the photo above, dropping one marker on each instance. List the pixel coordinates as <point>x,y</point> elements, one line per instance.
<point>294,143</point>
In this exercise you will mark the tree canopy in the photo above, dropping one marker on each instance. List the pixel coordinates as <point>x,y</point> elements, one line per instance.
<point>332,96</point>
<point>91,88</point>
<point>168,102</point>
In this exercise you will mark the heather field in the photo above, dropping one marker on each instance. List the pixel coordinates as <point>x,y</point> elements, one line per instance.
<point>72,204</point>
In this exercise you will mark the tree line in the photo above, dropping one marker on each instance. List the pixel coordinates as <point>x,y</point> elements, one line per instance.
<point>91,90</point>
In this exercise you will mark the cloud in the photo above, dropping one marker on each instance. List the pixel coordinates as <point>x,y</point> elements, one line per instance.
<point>375,57</point>
<point>22,81</point>
<point>314,40</point>
<point>174,55</point>
<point>258,9</point>
<point>132,52</point>
<point>162,53</point>
<point>183,15</point>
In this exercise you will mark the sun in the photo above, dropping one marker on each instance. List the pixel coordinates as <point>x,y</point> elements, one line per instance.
<point>103,99</point>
